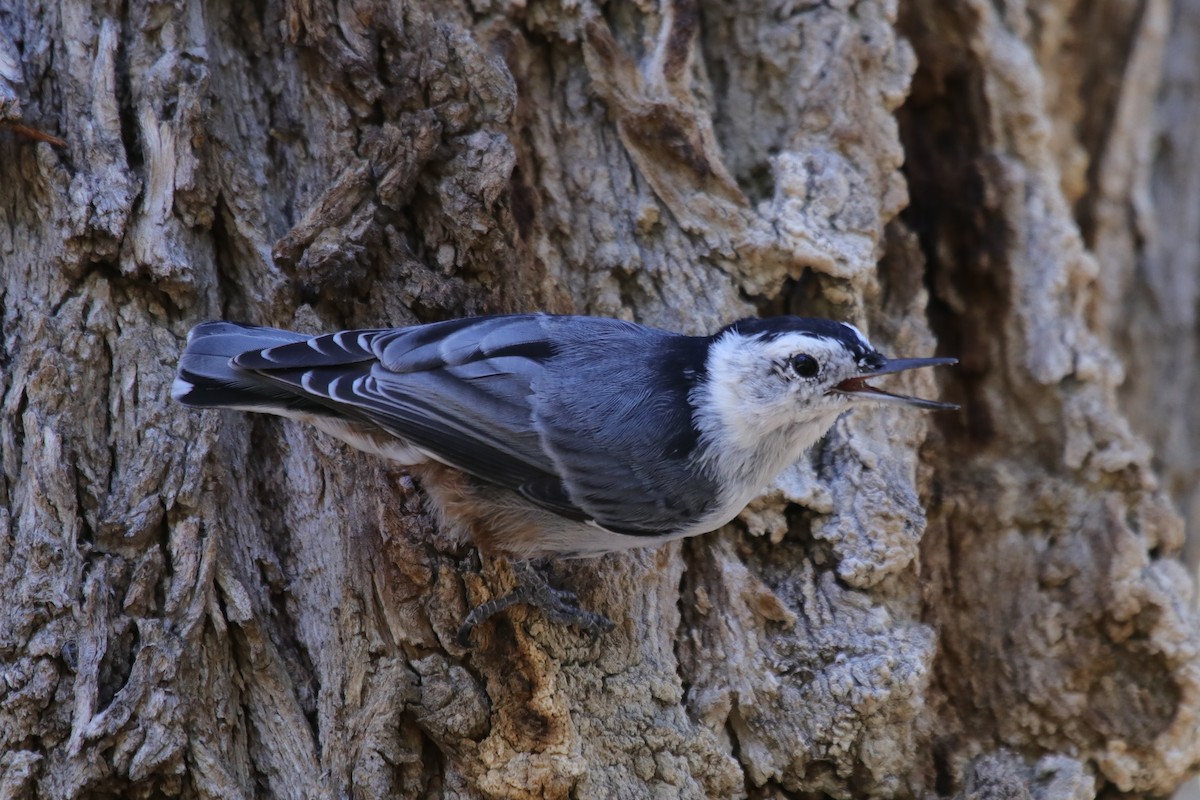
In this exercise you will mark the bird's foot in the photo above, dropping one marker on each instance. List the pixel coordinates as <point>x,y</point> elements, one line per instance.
<point>533,588</point>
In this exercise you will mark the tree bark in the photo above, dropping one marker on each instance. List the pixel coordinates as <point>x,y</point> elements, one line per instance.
<point>982,605</point>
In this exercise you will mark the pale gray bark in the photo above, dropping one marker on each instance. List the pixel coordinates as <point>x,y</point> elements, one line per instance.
<point>975,606</point>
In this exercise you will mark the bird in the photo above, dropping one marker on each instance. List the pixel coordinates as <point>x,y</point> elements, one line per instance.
<point>544,436</point>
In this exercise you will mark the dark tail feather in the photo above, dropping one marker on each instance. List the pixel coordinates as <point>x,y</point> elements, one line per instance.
<point>206,379</point>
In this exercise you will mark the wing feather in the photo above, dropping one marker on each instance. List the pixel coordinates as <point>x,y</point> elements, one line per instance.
<point>475,394</point>
<point>460,390</point>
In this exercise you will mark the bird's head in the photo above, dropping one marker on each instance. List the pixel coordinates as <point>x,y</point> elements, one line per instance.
<point>771,375</point>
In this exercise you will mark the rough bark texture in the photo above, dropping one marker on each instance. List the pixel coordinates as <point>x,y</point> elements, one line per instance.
<point>988,605</point>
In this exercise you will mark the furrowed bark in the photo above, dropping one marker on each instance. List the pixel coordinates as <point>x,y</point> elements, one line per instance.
<point>988,604</point>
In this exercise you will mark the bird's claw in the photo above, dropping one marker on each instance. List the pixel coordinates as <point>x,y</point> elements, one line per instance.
<point>559,605</point>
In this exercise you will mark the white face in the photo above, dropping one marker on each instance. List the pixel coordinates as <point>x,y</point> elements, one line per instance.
<point>769,394</point>
<point>768,384</point>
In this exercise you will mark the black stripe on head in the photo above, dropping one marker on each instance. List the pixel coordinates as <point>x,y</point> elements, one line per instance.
<point>774,327</point>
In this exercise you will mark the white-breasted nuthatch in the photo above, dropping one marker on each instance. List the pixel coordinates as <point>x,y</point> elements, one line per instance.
<point>543,435</point>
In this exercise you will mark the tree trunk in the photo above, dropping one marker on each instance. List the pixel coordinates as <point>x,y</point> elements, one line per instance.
<point>982,605</point>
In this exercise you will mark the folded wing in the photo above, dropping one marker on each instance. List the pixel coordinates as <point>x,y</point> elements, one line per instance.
<point>460,391</point>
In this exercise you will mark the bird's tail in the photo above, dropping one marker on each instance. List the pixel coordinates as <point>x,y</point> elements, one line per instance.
<point>207,379</point>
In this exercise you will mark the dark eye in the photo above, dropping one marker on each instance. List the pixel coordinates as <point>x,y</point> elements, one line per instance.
<point>805,365</point>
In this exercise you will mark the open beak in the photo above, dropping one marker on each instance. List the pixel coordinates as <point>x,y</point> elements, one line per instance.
<point>858,388</point>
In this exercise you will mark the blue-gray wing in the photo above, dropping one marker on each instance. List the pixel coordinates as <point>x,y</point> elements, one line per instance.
<point>583,416</point>
<point>459,390</point>
<point>615,417</point>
